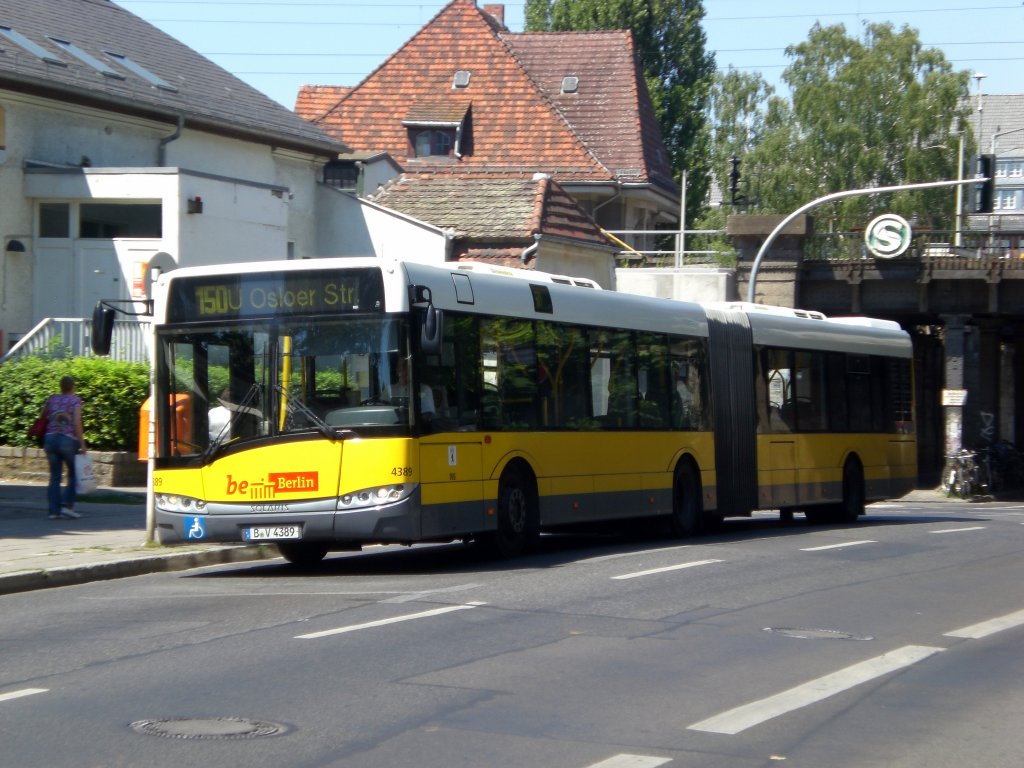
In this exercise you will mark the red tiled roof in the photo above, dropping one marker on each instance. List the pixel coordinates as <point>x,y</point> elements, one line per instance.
<point>442,112</point>
<point>314,101</point>
<point>492,214</point>
<point>610,109</point>
<point>512,125</point>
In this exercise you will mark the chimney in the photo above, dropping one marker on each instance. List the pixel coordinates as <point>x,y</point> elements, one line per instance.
<point>496,10</point>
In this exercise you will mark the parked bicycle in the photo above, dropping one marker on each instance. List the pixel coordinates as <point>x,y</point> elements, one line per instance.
<point>965,475</point>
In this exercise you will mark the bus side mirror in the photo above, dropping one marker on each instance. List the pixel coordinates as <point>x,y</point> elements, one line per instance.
<point>102,328</point>
<point>432,330</point>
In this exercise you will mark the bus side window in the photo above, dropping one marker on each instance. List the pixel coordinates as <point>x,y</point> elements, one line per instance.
<point>654,382</point>
<point>454,376</point>
<point>689,382</point>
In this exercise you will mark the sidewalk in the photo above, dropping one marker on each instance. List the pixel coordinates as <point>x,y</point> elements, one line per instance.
<point>107,542</point>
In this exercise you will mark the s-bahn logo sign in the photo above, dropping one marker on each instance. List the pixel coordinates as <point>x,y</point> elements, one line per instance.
<point>887,236</point>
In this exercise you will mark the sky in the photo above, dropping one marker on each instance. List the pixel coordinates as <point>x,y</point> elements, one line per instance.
<point>279,46</point>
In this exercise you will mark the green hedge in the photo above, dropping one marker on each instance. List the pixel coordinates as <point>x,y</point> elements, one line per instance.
<point>112,393</point>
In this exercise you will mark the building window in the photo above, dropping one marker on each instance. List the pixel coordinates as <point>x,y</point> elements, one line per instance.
<point>433,143</point>
<point>1006,200</point>
<point>341,174</point>
<point>54,220</point>
<point>3,135</point>
<point>87,58</point>
<point>19,39</point>
<point>107,221</point>
<point>141,71</point>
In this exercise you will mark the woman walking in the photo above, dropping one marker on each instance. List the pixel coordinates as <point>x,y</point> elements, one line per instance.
<point>63,440</point>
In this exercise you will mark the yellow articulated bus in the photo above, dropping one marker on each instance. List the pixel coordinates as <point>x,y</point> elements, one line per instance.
<point>326,404</point>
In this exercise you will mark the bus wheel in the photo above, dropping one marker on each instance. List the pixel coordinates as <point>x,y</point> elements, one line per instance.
<point>852,505</point>
<point>517,515</point>
<point>686,501</point>
<point>303,555</point>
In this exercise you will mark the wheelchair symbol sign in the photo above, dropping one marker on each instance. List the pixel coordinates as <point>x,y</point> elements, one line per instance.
<point>195,528</point>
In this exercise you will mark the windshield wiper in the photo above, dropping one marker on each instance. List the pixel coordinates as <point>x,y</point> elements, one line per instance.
<point>297,406</point>
<point>245,406</point>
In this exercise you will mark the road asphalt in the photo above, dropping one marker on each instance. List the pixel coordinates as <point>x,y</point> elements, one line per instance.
<point>109,540</point>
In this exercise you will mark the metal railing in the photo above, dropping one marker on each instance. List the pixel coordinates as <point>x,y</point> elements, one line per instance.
<point>679,255</point>
<point>72,336</point>
<point>849,246</point>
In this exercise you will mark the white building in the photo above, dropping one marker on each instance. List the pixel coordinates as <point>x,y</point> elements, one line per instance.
<point>123,149</point>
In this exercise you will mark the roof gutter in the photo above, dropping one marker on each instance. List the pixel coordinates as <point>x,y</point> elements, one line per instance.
<point>613,198</point>
<point>531,250</point>
<point>161,155</point>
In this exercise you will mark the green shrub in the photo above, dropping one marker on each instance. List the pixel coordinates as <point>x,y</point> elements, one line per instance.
<point>112,393</point>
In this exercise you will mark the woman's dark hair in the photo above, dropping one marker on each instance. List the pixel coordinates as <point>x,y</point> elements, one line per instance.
<point>67,383</point>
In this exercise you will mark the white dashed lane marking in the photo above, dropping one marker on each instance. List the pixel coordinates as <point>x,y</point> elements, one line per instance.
<point>839,546</point>
<point>813,691</point>
<point>960,530</point>
<point>631,761</point>
<point>665,569</point>
<point>990,627</point>
<point>385,622</point>
<point>23,692</point>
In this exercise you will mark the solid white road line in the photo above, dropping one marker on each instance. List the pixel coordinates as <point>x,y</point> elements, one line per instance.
<point>838,546</point>
<point>960,530</point>
<point>632,761</point>
<point>755,713</point>
<point>666,569</point>
<point>990,627</point>
<point>384,622</point>
<point>22,692</point>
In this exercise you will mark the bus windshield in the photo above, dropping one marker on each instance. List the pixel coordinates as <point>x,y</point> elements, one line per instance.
<point>220,386</point>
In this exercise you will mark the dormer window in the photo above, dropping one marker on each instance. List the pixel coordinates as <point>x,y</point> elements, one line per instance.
<point>435,142</point>
<point>437,130</point>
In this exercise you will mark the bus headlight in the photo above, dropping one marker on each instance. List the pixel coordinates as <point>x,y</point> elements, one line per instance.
<point>374,497</point>
<point>171,502</point>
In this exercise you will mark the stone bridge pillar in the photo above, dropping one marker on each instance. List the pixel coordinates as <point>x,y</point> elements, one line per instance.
<point>954,393</point>
<point>777,277</point>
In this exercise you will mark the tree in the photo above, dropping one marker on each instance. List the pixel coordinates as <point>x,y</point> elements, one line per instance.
<point>677,67</point>
<point>739,124</point>
<point>878,111</point>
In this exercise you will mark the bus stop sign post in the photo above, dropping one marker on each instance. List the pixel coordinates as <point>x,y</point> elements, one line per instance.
<point>828,199</point>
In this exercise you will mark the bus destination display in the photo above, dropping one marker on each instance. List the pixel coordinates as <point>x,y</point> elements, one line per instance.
<point>223,297</point>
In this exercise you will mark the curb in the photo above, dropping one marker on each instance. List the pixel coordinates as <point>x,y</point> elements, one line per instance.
<point>70,575</point>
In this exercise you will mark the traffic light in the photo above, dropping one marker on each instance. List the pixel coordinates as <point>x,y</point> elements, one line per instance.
<point>984,188</point>
<point>734,180</point>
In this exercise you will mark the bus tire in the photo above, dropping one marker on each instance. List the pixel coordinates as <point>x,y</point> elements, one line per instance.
<point>303,555</point>
<point>517,515</point>
<point>687,509</point>
<point>852,505</point>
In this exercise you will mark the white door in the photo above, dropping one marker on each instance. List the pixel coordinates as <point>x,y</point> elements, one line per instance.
<point>99,275</point>
<point>53,280</point>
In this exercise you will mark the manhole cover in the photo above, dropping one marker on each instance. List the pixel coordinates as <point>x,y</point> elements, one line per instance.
<point>814,634</point>
<point>208,728</point>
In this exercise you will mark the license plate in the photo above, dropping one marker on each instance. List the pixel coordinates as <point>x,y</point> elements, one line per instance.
<point>272,532</point>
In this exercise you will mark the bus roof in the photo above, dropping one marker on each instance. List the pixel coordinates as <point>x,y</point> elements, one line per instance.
<point>491,292</point>
<point>807,329</point>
